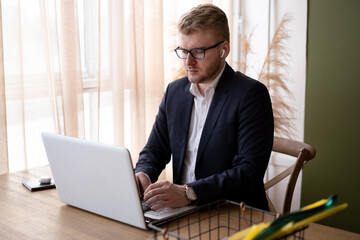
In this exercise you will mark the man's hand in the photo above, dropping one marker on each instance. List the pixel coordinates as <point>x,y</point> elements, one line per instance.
<point>165,194</point>
<point>143,182</point>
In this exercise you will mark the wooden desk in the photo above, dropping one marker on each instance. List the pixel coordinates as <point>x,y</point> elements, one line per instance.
<point>41,215</point>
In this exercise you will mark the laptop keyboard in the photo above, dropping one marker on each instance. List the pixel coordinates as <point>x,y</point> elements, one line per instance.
<point>164,212</point>
<point>167,212</point>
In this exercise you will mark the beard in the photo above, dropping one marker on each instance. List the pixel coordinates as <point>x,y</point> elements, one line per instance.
<point>204,75</point>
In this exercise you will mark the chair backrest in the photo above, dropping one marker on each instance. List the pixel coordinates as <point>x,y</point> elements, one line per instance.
<point>303,153</point>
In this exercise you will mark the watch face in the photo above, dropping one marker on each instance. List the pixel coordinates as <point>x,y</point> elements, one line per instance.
<point>190,193</point>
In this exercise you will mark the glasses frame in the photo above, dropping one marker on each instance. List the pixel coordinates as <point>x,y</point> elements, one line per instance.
<point>191,50</point>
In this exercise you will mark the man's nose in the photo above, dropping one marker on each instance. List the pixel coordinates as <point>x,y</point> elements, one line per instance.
<point>189,59</point>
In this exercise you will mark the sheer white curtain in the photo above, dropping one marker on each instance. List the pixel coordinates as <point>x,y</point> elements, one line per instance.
<point>4,166</point>
<point>84,68</point>
<point>42,87</point>
<point>98,69</point>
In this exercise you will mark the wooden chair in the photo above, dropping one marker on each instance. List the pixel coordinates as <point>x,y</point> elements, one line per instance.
<point>303,153</point>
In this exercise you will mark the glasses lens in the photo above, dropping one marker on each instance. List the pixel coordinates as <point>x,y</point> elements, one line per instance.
<point>198,53</point>
<point>182,53</point>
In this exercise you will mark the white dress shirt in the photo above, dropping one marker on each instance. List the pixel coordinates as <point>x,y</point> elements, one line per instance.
<point>198,117</point>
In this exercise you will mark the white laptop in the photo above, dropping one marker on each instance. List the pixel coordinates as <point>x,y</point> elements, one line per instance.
<point>99,178</point>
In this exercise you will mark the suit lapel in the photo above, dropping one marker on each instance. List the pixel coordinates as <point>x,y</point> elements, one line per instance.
<point>182,121</point>
<point>183,114</point>
<point>217,104</point>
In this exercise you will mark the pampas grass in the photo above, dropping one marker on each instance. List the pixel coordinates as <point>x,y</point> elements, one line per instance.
<point>274,74</point>
<point>245,49</point>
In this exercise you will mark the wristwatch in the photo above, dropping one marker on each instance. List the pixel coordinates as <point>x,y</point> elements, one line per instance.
<point>190,193</point>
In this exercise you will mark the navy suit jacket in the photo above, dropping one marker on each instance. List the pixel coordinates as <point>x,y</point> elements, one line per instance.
<point>235,144</point>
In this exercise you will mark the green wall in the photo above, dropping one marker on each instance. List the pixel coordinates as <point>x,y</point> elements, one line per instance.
<point>332,108</point>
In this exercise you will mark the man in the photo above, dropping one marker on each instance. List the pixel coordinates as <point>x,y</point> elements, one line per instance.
<point>216,124</point>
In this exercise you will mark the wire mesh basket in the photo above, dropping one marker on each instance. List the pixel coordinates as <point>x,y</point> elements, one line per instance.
<point>217,221</point>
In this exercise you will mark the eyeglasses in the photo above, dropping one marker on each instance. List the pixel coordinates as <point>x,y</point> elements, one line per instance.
<point>197,53</point>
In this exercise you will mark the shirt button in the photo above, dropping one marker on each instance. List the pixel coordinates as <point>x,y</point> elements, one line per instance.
<point>204,102</point>
<point>195,150</point>
<point>200,126</point>
<point>192,174</point>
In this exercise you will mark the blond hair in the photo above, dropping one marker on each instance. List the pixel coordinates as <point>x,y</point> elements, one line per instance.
<point>205,17</point>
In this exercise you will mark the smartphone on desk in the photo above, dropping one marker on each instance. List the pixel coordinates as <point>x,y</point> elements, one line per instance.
<point>35,185</point>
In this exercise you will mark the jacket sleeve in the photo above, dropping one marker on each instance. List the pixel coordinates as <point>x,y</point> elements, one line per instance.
<point>156,153</point>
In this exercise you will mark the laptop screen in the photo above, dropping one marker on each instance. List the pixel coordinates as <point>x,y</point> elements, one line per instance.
<point>95,177</point>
